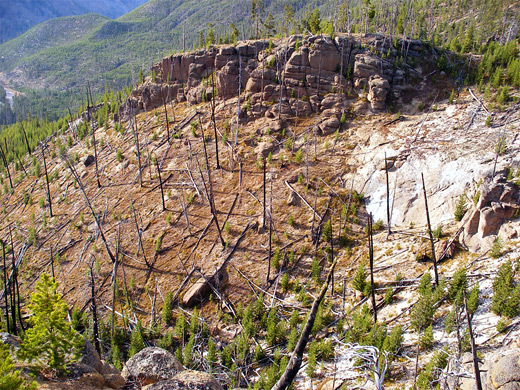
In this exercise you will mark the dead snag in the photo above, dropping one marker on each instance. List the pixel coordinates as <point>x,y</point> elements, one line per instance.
<point>6,165</point>
<point>26,139</point>
<point>47,179</point>
<point>213,103</point>
<point>139,236</point>
<point>387,199</point>
<point>166,115</point>
<point>6,290</point>
<point>93,308</point>
<point>94,128</point>
<point>211,198</point>
<point>430,233</point>
<point>136,139</point>
<point>264,207</point>
<point>160,184</point>
<point>476,369</point>
<point>94,215</point>
<point>296,358</point>
<point>371,259</point>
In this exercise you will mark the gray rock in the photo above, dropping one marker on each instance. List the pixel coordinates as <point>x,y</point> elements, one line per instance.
<point>151,365</point>
<point>9,339</point>
<point>90,357</point>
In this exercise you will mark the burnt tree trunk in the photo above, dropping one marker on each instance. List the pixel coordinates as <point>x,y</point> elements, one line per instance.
<point>430,233</point>
<point>94,311</point>
<point>6,165</point>
<point>371,259</point>
<point>6,298</point>
<point>47,180</point>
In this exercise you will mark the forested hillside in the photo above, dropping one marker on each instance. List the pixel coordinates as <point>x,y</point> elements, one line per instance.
<point>112,53</point>
<point>18,16</point>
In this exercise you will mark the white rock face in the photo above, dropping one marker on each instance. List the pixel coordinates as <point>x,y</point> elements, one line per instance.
<point>452,158</point>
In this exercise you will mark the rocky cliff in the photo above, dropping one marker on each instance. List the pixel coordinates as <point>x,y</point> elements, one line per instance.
<point>282,78</point>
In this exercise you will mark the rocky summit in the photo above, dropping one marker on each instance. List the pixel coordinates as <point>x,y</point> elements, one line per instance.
<point>313,211</point>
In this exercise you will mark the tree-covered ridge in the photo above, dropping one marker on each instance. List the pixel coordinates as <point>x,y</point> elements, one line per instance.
<point>113,51</point>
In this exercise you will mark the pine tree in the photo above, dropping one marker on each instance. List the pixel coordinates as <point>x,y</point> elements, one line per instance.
<point>166,312</point>
<point>10,378</point>
<point>506,295</point>
<point>136,340</point>
<point>51,342</point>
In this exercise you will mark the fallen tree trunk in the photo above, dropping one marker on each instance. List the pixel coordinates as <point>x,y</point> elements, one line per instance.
<point>296,358</point>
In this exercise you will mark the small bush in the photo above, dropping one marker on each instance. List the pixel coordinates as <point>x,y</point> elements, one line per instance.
<point>461,207</point>
<point>506,294</point>
<point>496,249</point>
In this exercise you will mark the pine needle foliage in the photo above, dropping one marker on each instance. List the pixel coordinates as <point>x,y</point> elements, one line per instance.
<point>10,378</point>
<point>51,342</point>
<point>506,294</point>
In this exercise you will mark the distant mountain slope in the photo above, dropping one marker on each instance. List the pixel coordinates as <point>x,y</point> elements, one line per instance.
<point>60,56</point>
<point>18,16</point>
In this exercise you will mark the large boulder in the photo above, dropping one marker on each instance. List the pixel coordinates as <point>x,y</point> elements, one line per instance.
<point>498,203</point>
<point>188,380</point>
<point>378,91</point>
<point>90,357</point>
<point>151,365</point>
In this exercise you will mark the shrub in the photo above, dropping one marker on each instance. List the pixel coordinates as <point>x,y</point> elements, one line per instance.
<point>136,341</point>
<point>458,285</point>
<point>426,341</point>
<point>506,295</point>
<point>166,312</point>
<point>359,281</point>
<point>461,207</point>
<point>496,249</point>
<point>11,378</point>
<point>50,342</point>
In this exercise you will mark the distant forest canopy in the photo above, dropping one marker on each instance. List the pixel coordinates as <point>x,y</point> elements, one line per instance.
<point>113,54</point>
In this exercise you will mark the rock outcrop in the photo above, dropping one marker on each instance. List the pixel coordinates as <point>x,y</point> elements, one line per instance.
<point>151,365</point>
<point>299,73</point>
<point>498,202</point>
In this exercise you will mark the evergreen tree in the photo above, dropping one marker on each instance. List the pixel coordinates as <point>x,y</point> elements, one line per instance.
<point>166,312</point>
<point>10,378</point>
<point>51,342</point>
<point>506,295</point>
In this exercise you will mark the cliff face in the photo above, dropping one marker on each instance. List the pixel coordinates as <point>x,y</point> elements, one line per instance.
<point>303,75</point>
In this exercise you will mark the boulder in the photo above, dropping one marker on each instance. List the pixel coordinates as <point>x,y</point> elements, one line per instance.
<point>114,381</point>
<point>264,148</point>
<point>92,379</point>
<point>504,372</point>
<point>11,340</point>
<point>292,199</point>
<point>498,203</point>
<point>188,380</point>
<point>443,246</point>
<point>90,357</point>
<point>328,126</point>
<point>227,80</point>
<point>378,91</point>
<point>324,56</point>
<point>89,160</point>
<point>151,365</point>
